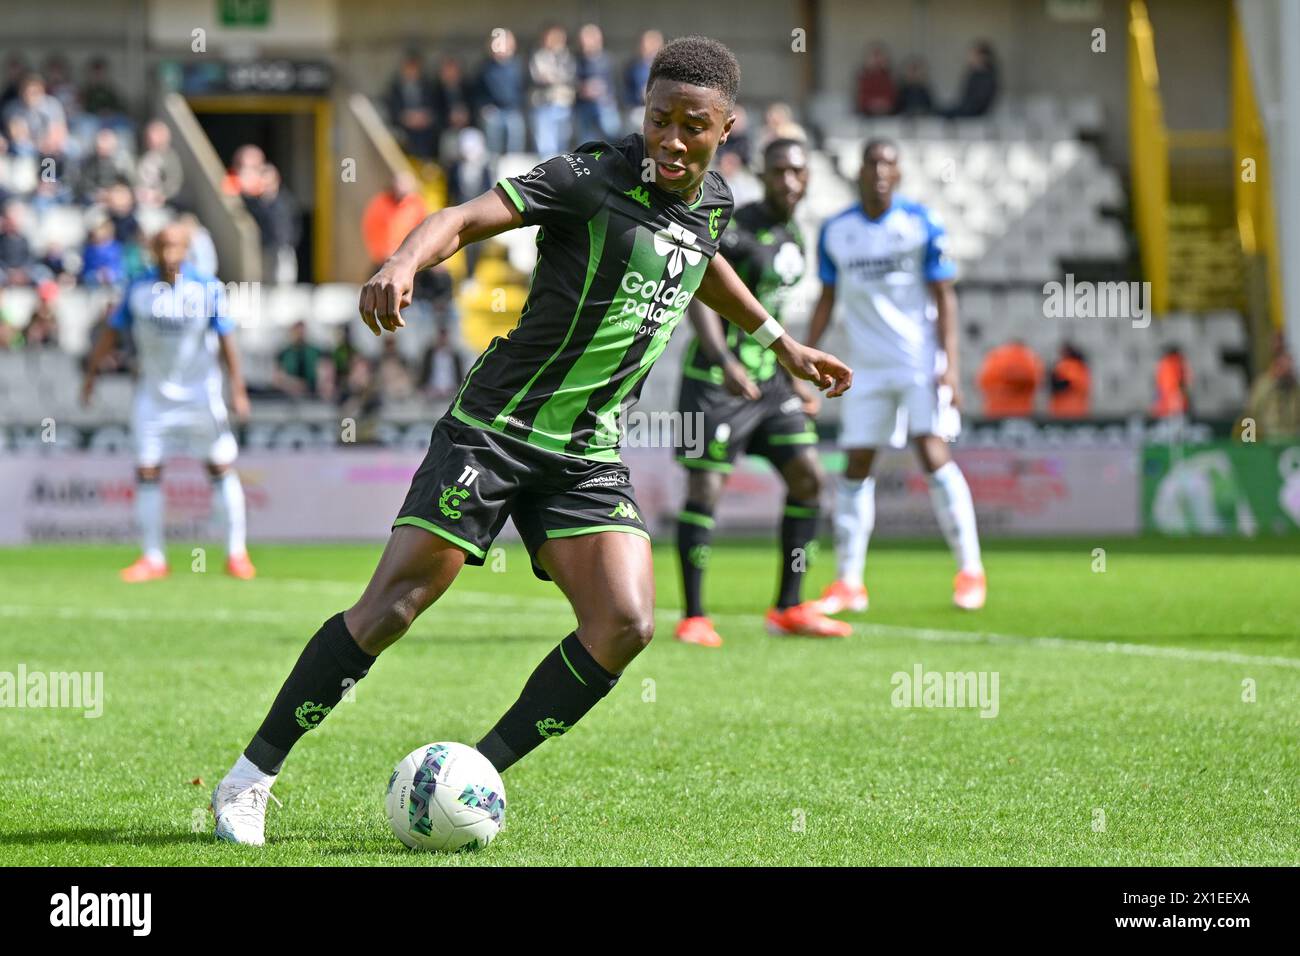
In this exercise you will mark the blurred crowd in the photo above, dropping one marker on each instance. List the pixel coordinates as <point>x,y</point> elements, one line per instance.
<point>884,91</point>
<point>1014,383</point>
<point>82,185</point>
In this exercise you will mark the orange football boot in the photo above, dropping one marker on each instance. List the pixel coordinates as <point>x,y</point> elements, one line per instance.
<point>969,590</point>
<point>807,620</point>
<point>698,630</point>
<point>841,596</point>
<point>144,569</point>
<point>238,566</point>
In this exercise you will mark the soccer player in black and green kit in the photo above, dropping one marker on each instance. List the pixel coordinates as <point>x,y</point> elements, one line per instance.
<point>749,404</point>
<point>629,233</point>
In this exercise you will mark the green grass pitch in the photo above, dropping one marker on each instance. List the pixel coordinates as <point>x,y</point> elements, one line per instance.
<point>1124,735</point>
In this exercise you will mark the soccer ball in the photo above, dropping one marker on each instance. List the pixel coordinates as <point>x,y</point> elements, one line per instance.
<point>446,796</point>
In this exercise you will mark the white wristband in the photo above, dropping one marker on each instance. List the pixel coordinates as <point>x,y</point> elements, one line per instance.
<point>768,332</point>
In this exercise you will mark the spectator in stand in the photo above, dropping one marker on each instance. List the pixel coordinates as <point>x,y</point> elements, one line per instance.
<point>1009,380</point>
<point>1173,382</point>
<point>452,97</point>
<point>635,77</point>
<point>390,215</point>
<point>596,109</point>
<point>297,367</point>
<point>359,397</point>
<point>17,173</point>
<point>469,173</point>
<point>42,330</point>
<point>16,68</point>
<point>412,107</point>
<point>58,83</point>
<point>552,72</point>
<point>396,383</point>
<point>1274,403</point>
<point>119,203</point>
<point>278,215</point>
<point>501,93</point>
<point>914,97</point>
<point>1070,385</point>
<point>341,356</point>
<point>102,257</point>
<point>36,108</point>
<point>106,166</point>
<point>778,123</point>
<point>877,93</point>
<point>99,98</point>
<point>158,173</point>
<point>980,85</point>
<point>443,367</point>
<point>16,260</point>
<point>244,178</point>
<point>59,172</point>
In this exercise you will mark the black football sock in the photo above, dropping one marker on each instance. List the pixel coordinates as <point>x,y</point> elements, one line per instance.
<point>694,532</point>
<point>328,666</point>
<point>798,529</point>
<point>567,683</point>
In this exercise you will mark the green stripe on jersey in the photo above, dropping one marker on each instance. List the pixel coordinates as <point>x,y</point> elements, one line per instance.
<point>603,355</point>
<point>596,226</point>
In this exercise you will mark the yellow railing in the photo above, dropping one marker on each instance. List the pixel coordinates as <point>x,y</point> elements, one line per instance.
<point>1254,189</point>
<point>1149,148</point>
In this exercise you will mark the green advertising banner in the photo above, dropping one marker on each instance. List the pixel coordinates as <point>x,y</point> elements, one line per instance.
<point>1222,488</point>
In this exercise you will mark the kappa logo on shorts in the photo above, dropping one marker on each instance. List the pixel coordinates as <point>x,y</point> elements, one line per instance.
<point>624,510</point>
<point>603,481</point>
<point>791,405</point>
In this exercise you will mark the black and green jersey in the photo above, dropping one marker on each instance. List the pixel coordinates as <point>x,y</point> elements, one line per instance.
<point>618,259</point>
<point>768,255</point>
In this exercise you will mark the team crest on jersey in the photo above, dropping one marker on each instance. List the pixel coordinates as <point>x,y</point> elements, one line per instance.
<point>679,245</point>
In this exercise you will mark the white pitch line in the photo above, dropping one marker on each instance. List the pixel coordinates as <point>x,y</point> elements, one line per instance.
<point>507,605</point>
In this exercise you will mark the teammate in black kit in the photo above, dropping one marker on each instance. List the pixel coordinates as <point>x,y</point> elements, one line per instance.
<point>751,405</point>
<point>629,233</point>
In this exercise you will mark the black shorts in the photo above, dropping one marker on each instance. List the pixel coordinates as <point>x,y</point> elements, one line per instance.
<point>472,479</point>
<point>774,426</point>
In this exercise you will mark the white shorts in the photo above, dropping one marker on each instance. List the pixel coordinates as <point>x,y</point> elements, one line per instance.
<point>886,407</point>
<point>166,429</point>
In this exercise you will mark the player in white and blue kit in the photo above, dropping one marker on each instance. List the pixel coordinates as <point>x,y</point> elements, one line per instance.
<point>883,262</point>
<point>180,328</point>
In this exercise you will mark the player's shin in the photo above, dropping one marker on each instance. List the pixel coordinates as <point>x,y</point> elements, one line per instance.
<point>328,667</point>
<point>855,519</point>
<point>798,529</point>
<point>228,508</point>
<point>955,511</point>
<point>565,685</point>
<point>694,533</point>
<point>149,515</point>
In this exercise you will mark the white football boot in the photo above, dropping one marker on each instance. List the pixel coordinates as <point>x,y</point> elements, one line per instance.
<point>240,811</point>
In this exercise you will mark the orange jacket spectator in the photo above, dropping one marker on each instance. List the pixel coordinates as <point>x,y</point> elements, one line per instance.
<point>1010,378</point>
<point>1071,385</point>
<point>390,216</point>
<point>1173,379</point>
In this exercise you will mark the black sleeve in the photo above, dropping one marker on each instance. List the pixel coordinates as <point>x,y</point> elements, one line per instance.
<point>566,187</point>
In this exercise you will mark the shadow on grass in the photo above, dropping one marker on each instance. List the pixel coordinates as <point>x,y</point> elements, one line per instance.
<point>98,836</point>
